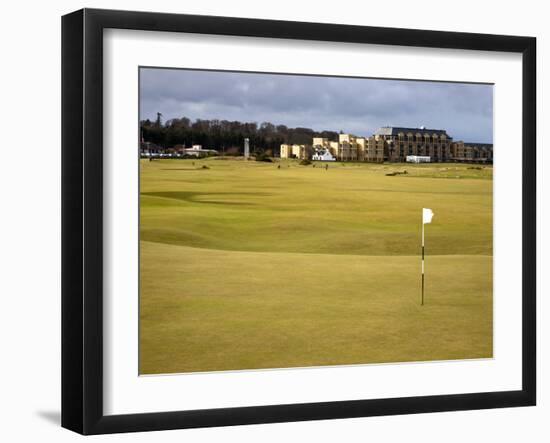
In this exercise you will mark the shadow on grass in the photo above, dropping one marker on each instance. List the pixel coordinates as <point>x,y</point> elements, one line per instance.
<point>182,169</point>
<point>196,197</point>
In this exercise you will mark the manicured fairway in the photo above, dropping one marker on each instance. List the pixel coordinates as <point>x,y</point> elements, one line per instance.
<point>247,265</point>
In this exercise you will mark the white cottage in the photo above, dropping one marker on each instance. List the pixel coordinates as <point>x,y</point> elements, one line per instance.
<point>323,155</point>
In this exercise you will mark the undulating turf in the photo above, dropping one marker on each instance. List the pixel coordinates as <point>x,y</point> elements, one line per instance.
<point>260,265</point>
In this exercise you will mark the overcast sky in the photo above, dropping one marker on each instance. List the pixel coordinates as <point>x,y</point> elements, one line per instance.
<point>357,106</point>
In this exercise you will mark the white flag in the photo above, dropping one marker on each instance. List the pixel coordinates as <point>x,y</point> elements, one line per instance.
<point>427,215</point>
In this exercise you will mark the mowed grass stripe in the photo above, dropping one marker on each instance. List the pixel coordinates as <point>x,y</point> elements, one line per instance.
<point>208,310</point>
<point>351,209</point>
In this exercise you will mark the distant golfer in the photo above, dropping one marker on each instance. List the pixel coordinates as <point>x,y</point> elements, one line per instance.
<point>326,167</point>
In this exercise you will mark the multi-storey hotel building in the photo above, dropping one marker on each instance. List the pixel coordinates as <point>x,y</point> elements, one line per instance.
<point>472,152</point>
<point>401,142</point>
<point>296,151</point>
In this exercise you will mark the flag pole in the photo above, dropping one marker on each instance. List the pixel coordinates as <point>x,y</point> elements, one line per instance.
<point>422,303</point>
<point>427,215</point>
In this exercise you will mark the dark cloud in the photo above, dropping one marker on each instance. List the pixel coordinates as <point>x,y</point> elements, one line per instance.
<point>358,106</point>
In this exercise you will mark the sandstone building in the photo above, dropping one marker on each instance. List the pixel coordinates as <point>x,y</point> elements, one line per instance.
<point>395,144</point>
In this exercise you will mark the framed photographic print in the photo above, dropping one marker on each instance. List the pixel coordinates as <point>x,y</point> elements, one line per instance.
<point>269,221</point>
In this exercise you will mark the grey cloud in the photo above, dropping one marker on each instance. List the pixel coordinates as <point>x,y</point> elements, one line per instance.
<point>358,106</point>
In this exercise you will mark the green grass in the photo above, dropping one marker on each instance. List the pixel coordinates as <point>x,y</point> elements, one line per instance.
<point>247,265</point>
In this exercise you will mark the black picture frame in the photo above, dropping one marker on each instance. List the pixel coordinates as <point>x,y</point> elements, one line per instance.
<point>82,219</point>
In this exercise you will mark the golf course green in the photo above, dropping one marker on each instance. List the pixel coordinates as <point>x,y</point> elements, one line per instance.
<point>250,265</point>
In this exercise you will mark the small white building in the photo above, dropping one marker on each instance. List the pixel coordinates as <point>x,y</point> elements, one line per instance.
<point>418,159</point>
<point>323,155</point>
<point>197,151</point>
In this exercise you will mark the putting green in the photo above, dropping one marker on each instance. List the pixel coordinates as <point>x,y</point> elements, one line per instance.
<point>247,265</point>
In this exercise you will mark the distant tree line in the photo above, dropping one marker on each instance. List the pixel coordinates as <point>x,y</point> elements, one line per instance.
<point>226,136</point>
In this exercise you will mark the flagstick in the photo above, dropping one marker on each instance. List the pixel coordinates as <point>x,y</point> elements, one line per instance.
<point>422,304</point>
